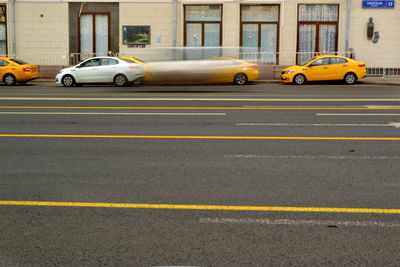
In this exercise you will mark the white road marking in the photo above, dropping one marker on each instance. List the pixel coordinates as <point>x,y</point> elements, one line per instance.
<point>358,114</point>
<point>116,113</point>
<point>391,124</point>
<point>381,106</point>
<point>314,157</point>
<point>298,222</point>
<point>201,99</point>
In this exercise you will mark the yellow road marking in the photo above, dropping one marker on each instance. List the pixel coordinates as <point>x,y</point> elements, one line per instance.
<point>206,108</point>
<point>203,137</point>
<point>196,93</point>
<point>196,207</point>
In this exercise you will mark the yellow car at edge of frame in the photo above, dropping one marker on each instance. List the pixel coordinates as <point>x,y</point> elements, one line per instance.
<point>14,71</point>
<point>325,68</point>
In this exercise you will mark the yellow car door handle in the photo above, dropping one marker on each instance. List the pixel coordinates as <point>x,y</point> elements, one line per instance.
<point>325,67</point>
<point>344,65</point>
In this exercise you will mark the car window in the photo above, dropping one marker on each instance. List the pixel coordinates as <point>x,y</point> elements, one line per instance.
<point>128,60</point>
<point>338,60</point>
<point>18,61</point>
<point>224,61</point>
<point>132,61</point>
<point>109,61</point>
<point>139,60</point>
<point>305,62</point>
<point>3,63</point>
<point>91,63</point>
<point>321,61</point>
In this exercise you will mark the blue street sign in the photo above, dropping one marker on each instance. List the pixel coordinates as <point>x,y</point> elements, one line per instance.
<point>378,4</point>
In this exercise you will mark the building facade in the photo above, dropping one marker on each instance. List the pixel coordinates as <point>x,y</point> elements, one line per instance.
<point>277,32</point>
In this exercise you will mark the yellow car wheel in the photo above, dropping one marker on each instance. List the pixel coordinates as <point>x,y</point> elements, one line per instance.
<point>9,79</point>
<point>240,79</point>
<point>299,79</point>
<point>350,78</point>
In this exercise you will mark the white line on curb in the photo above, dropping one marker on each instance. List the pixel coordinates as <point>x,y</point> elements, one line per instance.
<point>391,124</point>
<point>298,222</point>
<point>314,157</point>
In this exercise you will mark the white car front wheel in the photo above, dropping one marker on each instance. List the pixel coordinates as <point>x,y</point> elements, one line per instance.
<point>68,81</point>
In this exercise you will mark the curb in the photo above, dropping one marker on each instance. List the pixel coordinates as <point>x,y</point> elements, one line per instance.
<point>394,83</point>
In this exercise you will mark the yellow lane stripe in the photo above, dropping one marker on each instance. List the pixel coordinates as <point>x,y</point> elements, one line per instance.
<point>203,137</point>
<point>195,93</point>
<point>196,207</point>
<point>207,108</point>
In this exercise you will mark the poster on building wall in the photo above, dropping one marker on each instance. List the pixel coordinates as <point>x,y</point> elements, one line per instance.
<point>136,35</point>
<point>378,4</point>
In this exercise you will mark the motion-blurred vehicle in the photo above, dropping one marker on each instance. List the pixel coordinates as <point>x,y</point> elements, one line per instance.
<point>233,70</point>
<point>149,72</point>
<point>325,68</point>
<point>102,70</point>
<point>14,71</point>
<point>212,70</point>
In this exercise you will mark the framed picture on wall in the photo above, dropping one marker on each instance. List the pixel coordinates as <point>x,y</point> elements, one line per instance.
<point>136,35</point>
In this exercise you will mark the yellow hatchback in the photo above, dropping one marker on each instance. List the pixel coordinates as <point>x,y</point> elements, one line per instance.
<point>14,71</point>
<point>325,68</point>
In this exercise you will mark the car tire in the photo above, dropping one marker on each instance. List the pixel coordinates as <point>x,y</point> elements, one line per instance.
<point>120,80</point>
<point>299,79</point>
<point>9,79</point>
<point>240,79</point>
<point>68,81</point>
<point>350,78</point>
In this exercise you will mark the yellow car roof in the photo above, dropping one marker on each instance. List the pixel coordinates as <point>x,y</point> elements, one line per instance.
<point>339,56</point>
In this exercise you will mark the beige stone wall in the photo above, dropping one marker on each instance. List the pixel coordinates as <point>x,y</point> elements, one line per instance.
<point>288,33</point>
<point>387,22</point>
<point>45,40</point>
<point>41,31</point>
<point>159,16</point>
<point>231,24</point>
<point>288,27</point>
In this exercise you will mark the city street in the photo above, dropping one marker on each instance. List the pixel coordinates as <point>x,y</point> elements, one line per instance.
<point>200,175</point>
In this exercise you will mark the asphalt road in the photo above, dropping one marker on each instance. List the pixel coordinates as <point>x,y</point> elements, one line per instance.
<point>216,175</point>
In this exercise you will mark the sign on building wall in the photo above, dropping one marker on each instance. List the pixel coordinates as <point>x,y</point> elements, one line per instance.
<point>378,4</point>
<point>136,35</point>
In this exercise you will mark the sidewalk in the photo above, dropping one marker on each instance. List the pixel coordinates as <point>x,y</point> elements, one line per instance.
<point>367,80</point>
<point>380,80</point>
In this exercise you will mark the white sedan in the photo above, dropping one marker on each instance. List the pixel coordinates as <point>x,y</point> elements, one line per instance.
<point>102,70</point>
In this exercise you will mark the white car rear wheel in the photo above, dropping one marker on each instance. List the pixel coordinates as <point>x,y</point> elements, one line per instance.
<point>120,80</point>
